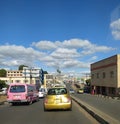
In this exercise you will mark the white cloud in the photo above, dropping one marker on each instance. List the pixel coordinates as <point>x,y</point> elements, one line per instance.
<point>93,58</point>
<point>75,63</point>
<point>76,43</point>
<point>12,55</point>
<point>115,27</point>
<point>44,45</point>
<point>63,55</point>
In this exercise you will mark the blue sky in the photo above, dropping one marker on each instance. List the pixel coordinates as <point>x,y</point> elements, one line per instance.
<point>64,34</point>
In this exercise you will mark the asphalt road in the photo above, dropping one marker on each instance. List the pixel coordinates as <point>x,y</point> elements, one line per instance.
<point>34,114</point>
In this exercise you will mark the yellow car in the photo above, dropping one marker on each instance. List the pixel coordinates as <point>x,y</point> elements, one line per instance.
<point>57,98</point>
<point>81,90</point>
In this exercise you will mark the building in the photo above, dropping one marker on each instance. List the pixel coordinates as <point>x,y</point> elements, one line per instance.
<point>48,80</point>
<point>105,76</point>
<point>27,75</point>
<point>31,73</point>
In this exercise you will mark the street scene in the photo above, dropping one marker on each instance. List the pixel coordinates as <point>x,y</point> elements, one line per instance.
<point>89,108</point>
<point>60,62</point>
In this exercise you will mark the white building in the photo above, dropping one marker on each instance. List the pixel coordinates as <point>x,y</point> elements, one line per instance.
<point>27,75</point>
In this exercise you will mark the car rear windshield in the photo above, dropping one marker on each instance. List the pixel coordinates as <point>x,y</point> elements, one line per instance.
<point>42,90</point>
<point>17,88</point>
<point>57,91</point>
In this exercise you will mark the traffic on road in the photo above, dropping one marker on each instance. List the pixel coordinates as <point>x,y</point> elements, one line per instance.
<point>34,114</point>
<point>82,103</point>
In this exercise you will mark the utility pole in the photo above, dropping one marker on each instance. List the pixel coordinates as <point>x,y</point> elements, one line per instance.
<point>30,77</point>
<point>25,75</point>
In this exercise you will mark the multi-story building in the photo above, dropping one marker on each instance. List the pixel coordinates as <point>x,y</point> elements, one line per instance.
<point>27,75</point>
<point>48,80</point>
<point>14,73</point>
<point>105,76</point>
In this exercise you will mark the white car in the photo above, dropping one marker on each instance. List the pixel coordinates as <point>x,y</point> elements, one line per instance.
<point>42,92</point>
<point>3,91</point>
<point>71,91</point>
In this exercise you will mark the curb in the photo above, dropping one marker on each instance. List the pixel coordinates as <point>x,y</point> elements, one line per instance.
<point>101,117</point>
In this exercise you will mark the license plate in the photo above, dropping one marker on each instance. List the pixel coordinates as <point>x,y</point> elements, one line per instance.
<point>16,97</point>
<point>57,101</point>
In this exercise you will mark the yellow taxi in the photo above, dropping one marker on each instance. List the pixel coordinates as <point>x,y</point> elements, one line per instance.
<point>57,98</point>
<point>81,91</point>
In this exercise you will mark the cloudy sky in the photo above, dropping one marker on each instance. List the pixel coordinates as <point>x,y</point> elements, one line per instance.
<point>64,34</point>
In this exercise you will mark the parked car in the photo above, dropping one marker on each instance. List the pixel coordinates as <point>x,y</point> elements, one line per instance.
<point>87,89</point>
<point>42,92</point>
<point>3,91</point>
<point>58,98</point>
<point>80,90</point>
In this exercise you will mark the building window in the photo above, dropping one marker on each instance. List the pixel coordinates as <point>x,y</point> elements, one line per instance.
<point>25,81</point>
<point>17,81</point>
<point>49,76</point>
<point>104,75</point>
<point>97,75</point>
<point>92,76</point>
<point>112,74</point>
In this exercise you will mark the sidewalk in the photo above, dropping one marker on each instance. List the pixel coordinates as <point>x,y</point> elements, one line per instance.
<point>97,114</point>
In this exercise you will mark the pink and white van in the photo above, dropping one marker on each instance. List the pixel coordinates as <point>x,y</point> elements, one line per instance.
<point>22,93</point>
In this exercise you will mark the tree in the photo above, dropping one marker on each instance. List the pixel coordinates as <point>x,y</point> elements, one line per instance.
<point>88,82</point>
<point>58,70</point>
<point>3,73</point>
<point>21,67</point>
<point>2,84</point>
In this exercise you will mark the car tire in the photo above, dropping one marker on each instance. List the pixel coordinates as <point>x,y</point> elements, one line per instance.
<point>13,104</point>
<point>30,102</point>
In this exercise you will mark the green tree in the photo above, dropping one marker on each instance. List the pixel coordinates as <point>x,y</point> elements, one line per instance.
<point>88,82</point>
<point>3,73</point>
<point>21,67</point>
<point>2,84</point>
<point>58,70</point>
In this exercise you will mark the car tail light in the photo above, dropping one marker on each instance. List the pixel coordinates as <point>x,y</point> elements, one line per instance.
<point>66,99</point>
<point>26,96</point>
<point>69,99</point>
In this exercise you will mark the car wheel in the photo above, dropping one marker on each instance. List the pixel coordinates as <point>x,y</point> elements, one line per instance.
<point>30,102</point>
<point>14,103</point>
